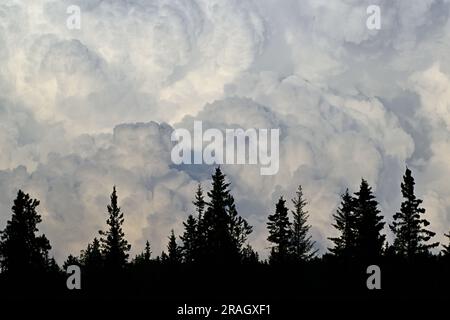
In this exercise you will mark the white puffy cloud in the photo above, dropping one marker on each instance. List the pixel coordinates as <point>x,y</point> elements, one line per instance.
<point>77,106</point>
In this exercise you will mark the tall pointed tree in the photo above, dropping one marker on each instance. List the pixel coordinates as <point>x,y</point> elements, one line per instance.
<point>238,227</point>
<point>224,228</point>
<point>345,223</point>
<point>369,224</point>
<point>280,233</point>
<point>92,257</point>
<point>199,202</point>
<point>174,251</point>
<point>409,227</point>
<point>20,248</point>
<point>190,240</point>
<point>144,257</point>
<point>200,245</point>
<point>301,245</point>
<point>114,245</point>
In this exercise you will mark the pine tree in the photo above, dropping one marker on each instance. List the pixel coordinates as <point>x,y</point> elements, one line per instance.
<point>174,251</point>
<point>345,223</point>
<point>369,224</point>
<point>200,245</point>
<point>218,240</point>
<point>144,258</point>
<point>147,252</point>
<point>238,227</point>
<point>115,247</point>
<point>280,233</point>
<point>92,258</point>
<point>21,250</point>
<point>446,251</point>
<point>408,227</point>
<point>225,231</point>
<point>70,261</point>
<point>301,245</point>
<point>199,202</point>
<point>189,239</point>
<point>249,256</point>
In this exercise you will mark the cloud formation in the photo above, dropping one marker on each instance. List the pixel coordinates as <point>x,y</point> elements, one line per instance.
<point>81,110</point>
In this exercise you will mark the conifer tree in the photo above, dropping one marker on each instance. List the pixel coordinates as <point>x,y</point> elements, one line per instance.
<point>70,261</point>
<point>200,245</point>
<point>280,233</point>
<point>345,223</point>
<point>20,248</point>
<point>174,251</point>
<point>238,226</point>
<point>225,231</point>
<point>92,258</point>
<point>369,224</point>
<point>189,239</point>
<point>115,247</point>
<point>199,202</point>
<point>301,245</point>
<point>409,228</point>
<point>249,256</point>
<point>144,258</point>
<point>446,251</point>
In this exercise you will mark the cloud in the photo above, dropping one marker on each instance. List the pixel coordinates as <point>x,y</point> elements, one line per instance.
<point>81,110</point>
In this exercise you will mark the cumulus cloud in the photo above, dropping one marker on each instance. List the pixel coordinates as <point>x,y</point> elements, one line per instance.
<point>82,110</point>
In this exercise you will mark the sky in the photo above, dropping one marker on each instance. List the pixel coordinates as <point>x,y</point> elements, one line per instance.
<point>84,109</point>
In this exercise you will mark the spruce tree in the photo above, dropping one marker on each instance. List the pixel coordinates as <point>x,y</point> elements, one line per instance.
<point>369,224</point>
<point>174,251</point>
<point>249,256</point>
<point>144,258</point>
<point>224,229</point>
<point>301,245</point>
<point>199,202</point>
<point>200,245</point>
<point>280,233</point>
<point>92,258</point>
<point>189,239</point>
<point>21,250</point>
<point>345,223</point>
<point>70,261</point>
<point>238,227</point>
<point>115,247</point>
<point>409,228</point>
<point>446,251</point>
<point>218,239</point>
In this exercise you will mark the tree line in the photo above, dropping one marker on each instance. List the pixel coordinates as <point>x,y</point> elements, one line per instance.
<point>215,234</point>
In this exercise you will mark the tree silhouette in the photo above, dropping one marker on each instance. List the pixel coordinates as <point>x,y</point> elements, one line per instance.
<point>115,247</point>
<point>144,258</point>
<point>189,239</point>
<point>280,233</point>
<point>249,256</point>
<point>345,223</point>
<point>301,245</point>
<point>369,223</point>
<point>21,250</point>
<point>408,226</point>
<point>174,251</point>
<point>92,258</point>
<point>200,247</point>
<point>238,227</point>
<point>225,231</point>
<point>71,260</point>
<point>446,251</point>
